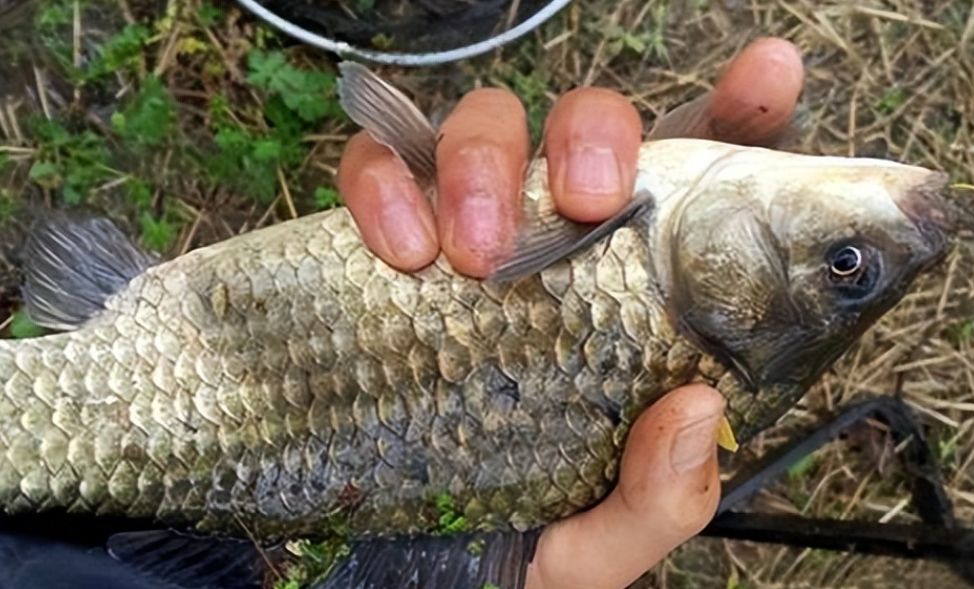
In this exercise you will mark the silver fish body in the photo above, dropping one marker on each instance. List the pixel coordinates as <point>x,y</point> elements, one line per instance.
<point>286,380</point>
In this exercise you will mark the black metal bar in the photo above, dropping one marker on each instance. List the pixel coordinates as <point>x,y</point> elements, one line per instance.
<point>938,537</point>
<point>904,541</point>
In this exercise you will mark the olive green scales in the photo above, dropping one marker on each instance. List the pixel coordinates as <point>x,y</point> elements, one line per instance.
<point>285,377</point>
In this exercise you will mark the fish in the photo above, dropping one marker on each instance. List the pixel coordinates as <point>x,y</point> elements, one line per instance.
<point>286,383</point>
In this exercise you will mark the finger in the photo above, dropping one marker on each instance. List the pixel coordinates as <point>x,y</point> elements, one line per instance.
<point>592,142</point>
<point>481,158</point>
<point>668,490</point>
<point>393,216</point>
<point>753,102</point>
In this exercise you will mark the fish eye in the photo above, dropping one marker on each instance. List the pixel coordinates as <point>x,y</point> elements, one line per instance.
<point>846,261</point>
<point>854,270</point>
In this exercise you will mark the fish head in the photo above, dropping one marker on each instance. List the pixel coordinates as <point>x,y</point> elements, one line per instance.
<point>779,262</point>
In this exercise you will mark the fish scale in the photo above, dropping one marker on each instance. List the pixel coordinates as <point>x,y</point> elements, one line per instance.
<point>284,376</point>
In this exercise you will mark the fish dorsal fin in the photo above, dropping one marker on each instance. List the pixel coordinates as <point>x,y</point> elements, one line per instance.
<point>190,562</point>
<point>436,562</point>
<point>73,265</point>
<point>391,118</point>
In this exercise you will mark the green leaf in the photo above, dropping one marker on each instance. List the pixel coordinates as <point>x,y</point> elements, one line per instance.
<point>961,331</point>
<point>891,100</point>
<point>311,95</point>
<point>47,174</point>
<point>801,468</point>
<point>268,150</point>
<point>157,234</point>
<point>76,162</point>
<point>8,204</point>
<point>364,6</point>
<point>326,198</point>
<point>209,14</point>
<point>140,194</point>
<point>121,52</point>
<point>21,326</point>
<point>449,521</point>
<point>147,120</point>
<point>265,68</point>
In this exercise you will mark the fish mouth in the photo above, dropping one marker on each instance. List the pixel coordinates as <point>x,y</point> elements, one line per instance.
<point>924,204</point>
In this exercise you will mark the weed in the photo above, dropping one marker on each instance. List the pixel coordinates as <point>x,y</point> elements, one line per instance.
<point>315,560</point>
<point>890,101</point>
<point>309,94</point>
<point>158,233</point>
<point>947,451</point>
<point>961,332</point>
<point>326,197</point>
<point>651,42</point>
<point>73,162</point>
<point>531,88</point>
<point>122,52</point>
<point>364,6</point>
<point>296,101</point>
<point>21,326</point>
<point>8,204</point>
<point>52,24</point>
<point>248,161</point>
<point>209,14</point>
<point>449,520</point>
<point>476,547</point>
<point>802,468</point>
<point>147,120</point>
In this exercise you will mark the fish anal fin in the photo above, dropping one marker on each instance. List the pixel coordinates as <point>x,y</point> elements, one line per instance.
<point>547,238</point>
<point>190,562</point>
<point>436,562</point>
<point>72,265</point>
<point>391,118</point>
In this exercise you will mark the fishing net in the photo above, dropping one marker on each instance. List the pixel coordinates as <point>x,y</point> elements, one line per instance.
<point>406,32</point>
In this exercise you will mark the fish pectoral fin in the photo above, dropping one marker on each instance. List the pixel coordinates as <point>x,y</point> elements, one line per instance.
<point>191,562</point>
<point>462,561</point>
<point>391,118</point>
<point>549,238</point>
<point>72,265</point>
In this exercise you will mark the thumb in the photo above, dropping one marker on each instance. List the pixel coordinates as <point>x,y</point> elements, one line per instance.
<point>669,478</point>
<point>668,491</point>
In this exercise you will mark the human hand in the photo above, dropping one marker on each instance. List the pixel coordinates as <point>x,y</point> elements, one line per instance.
<point>668,487</point>
<point>591,142</point>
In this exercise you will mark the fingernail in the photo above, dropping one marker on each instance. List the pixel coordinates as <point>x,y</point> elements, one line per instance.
<point>592,170</point>
<point>404,229</point>
<point>476,227</point>
<point>695,443</point>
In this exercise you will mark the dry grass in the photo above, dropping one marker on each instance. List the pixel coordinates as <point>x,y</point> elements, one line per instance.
<point>889,79</point>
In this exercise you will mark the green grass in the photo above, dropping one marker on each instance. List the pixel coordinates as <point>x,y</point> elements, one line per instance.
<point>326,197</point>
<point>248,136</point>
<point>890,101</point>
<point>21,327</point>
<point>72,161</point>
<point>961,332</point>
<point>449,519</point>
<point>148,119</point>
<point>314,561</point>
